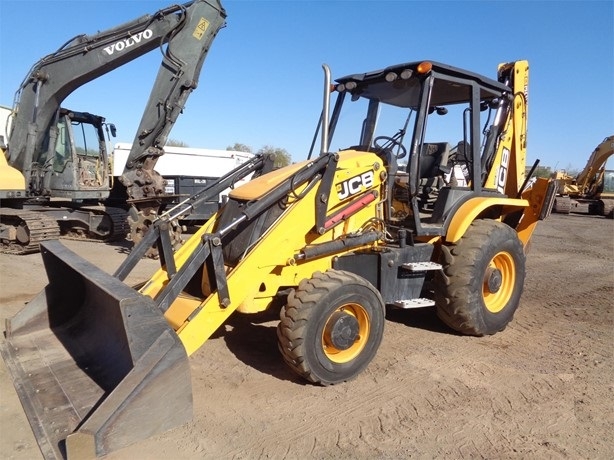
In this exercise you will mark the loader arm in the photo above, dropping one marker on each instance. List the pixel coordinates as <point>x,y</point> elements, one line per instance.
<point>188,31</point>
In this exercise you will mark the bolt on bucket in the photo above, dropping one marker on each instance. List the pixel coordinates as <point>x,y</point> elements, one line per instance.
<point>95,364</point>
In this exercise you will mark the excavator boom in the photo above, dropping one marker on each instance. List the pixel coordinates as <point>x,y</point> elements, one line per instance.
<point>595,165</point>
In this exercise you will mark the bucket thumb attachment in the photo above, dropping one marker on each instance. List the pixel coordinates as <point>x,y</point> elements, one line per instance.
<point>95,364</point>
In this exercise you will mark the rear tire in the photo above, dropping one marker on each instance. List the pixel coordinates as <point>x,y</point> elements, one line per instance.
<point>331,327</point>
<point>482,280</point>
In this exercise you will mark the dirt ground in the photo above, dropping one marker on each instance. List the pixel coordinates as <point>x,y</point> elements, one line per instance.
<point>543,388</point>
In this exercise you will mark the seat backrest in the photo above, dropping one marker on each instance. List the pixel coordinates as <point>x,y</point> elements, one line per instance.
<point>434,159</point>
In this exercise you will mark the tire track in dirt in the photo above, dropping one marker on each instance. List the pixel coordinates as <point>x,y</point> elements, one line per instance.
<point>543,388</point>
<point>530,391</point>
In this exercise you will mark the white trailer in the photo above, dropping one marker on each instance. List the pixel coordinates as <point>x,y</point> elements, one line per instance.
<point>5,123</point>
<point>187,171</point>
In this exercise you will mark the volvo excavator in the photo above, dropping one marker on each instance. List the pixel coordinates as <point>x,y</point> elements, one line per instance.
<point>54,170</point>
<point>418,197</point>
<point>592,190</point>
<point>28,217</point>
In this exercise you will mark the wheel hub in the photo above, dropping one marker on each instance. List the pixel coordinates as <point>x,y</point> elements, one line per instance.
<point>494,280</point>
<point>342,330</point>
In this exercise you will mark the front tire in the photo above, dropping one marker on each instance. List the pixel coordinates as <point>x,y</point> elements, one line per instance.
<point>482,280</point>
<point>331,327</point>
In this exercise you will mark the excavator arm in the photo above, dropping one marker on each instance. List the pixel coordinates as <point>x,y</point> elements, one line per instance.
<point>187,30</point>
<point>594,166</point>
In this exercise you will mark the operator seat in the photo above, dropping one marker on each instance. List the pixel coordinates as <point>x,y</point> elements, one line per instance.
<point>433,166</point>
<point>434,160</point>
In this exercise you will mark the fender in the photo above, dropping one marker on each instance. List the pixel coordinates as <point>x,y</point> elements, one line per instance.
<point>472,208</point>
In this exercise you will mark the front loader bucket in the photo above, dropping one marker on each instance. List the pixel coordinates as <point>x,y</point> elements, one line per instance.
<point>94,362</point>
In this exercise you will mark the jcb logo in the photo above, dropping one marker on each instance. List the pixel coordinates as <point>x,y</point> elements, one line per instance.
<point>503,170</point>
<point>355,185</point>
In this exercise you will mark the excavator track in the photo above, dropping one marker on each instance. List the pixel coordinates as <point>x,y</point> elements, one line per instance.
<point>607,207</point>
<point>31,227</point>
<point>119,226</point>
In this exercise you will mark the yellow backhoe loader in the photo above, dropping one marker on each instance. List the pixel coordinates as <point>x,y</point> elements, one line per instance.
<point>335,239</point>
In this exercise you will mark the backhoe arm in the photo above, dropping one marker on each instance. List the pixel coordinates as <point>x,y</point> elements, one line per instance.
<point>506,168</point>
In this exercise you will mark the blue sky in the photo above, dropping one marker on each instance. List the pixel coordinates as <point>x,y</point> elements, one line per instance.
<point>262,81</point>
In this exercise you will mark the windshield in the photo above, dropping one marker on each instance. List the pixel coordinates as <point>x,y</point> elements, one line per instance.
<point>86,139</point>
<point>608,182</point>
<point>388,110</point>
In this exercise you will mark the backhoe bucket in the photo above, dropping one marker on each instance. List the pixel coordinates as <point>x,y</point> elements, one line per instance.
<point>94,362</point>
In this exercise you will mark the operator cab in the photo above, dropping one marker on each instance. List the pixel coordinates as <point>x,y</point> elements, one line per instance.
<point>436,128</point>
<point>77,140</point>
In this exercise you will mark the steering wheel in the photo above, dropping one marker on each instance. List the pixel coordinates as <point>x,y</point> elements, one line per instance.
<point>388,143</point>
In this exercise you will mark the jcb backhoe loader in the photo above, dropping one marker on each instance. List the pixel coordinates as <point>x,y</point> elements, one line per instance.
<point>335,239</point>
<point>66,171</point>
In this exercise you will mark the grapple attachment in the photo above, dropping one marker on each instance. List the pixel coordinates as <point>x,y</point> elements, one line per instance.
<point>94,362</point>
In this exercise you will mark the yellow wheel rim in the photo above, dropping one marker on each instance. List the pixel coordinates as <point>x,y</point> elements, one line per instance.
<point>499,281</point>
<point>359,317</point>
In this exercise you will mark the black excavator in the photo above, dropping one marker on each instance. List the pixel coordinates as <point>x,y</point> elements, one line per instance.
<point>54,171</point>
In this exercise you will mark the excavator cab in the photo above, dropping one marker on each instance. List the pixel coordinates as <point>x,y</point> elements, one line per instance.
<point>78,155</point>
<point>608,183</point>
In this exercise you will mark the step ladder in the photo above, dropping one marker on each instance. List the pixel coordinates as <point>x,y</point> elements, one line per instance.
<point>414,303</point>
<point>421,266</point>
<point>419,302</point>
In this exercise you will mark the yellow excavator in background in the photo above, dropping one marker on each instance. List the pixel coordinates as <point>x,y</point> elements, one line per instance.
<point>592,190</point>
<point>392,213</point>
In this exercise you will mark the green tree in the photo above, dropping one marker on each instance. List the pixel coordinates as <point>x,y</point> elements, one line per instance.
<point>543,171</point>
<point>238,147</point>
<point>282,157</point>
<point>176,143</point>
<point>572,170</point>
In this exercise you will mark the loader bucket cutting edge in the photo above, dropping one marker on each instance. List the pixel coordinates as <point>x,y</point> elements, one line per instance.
<point>95,364</point>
